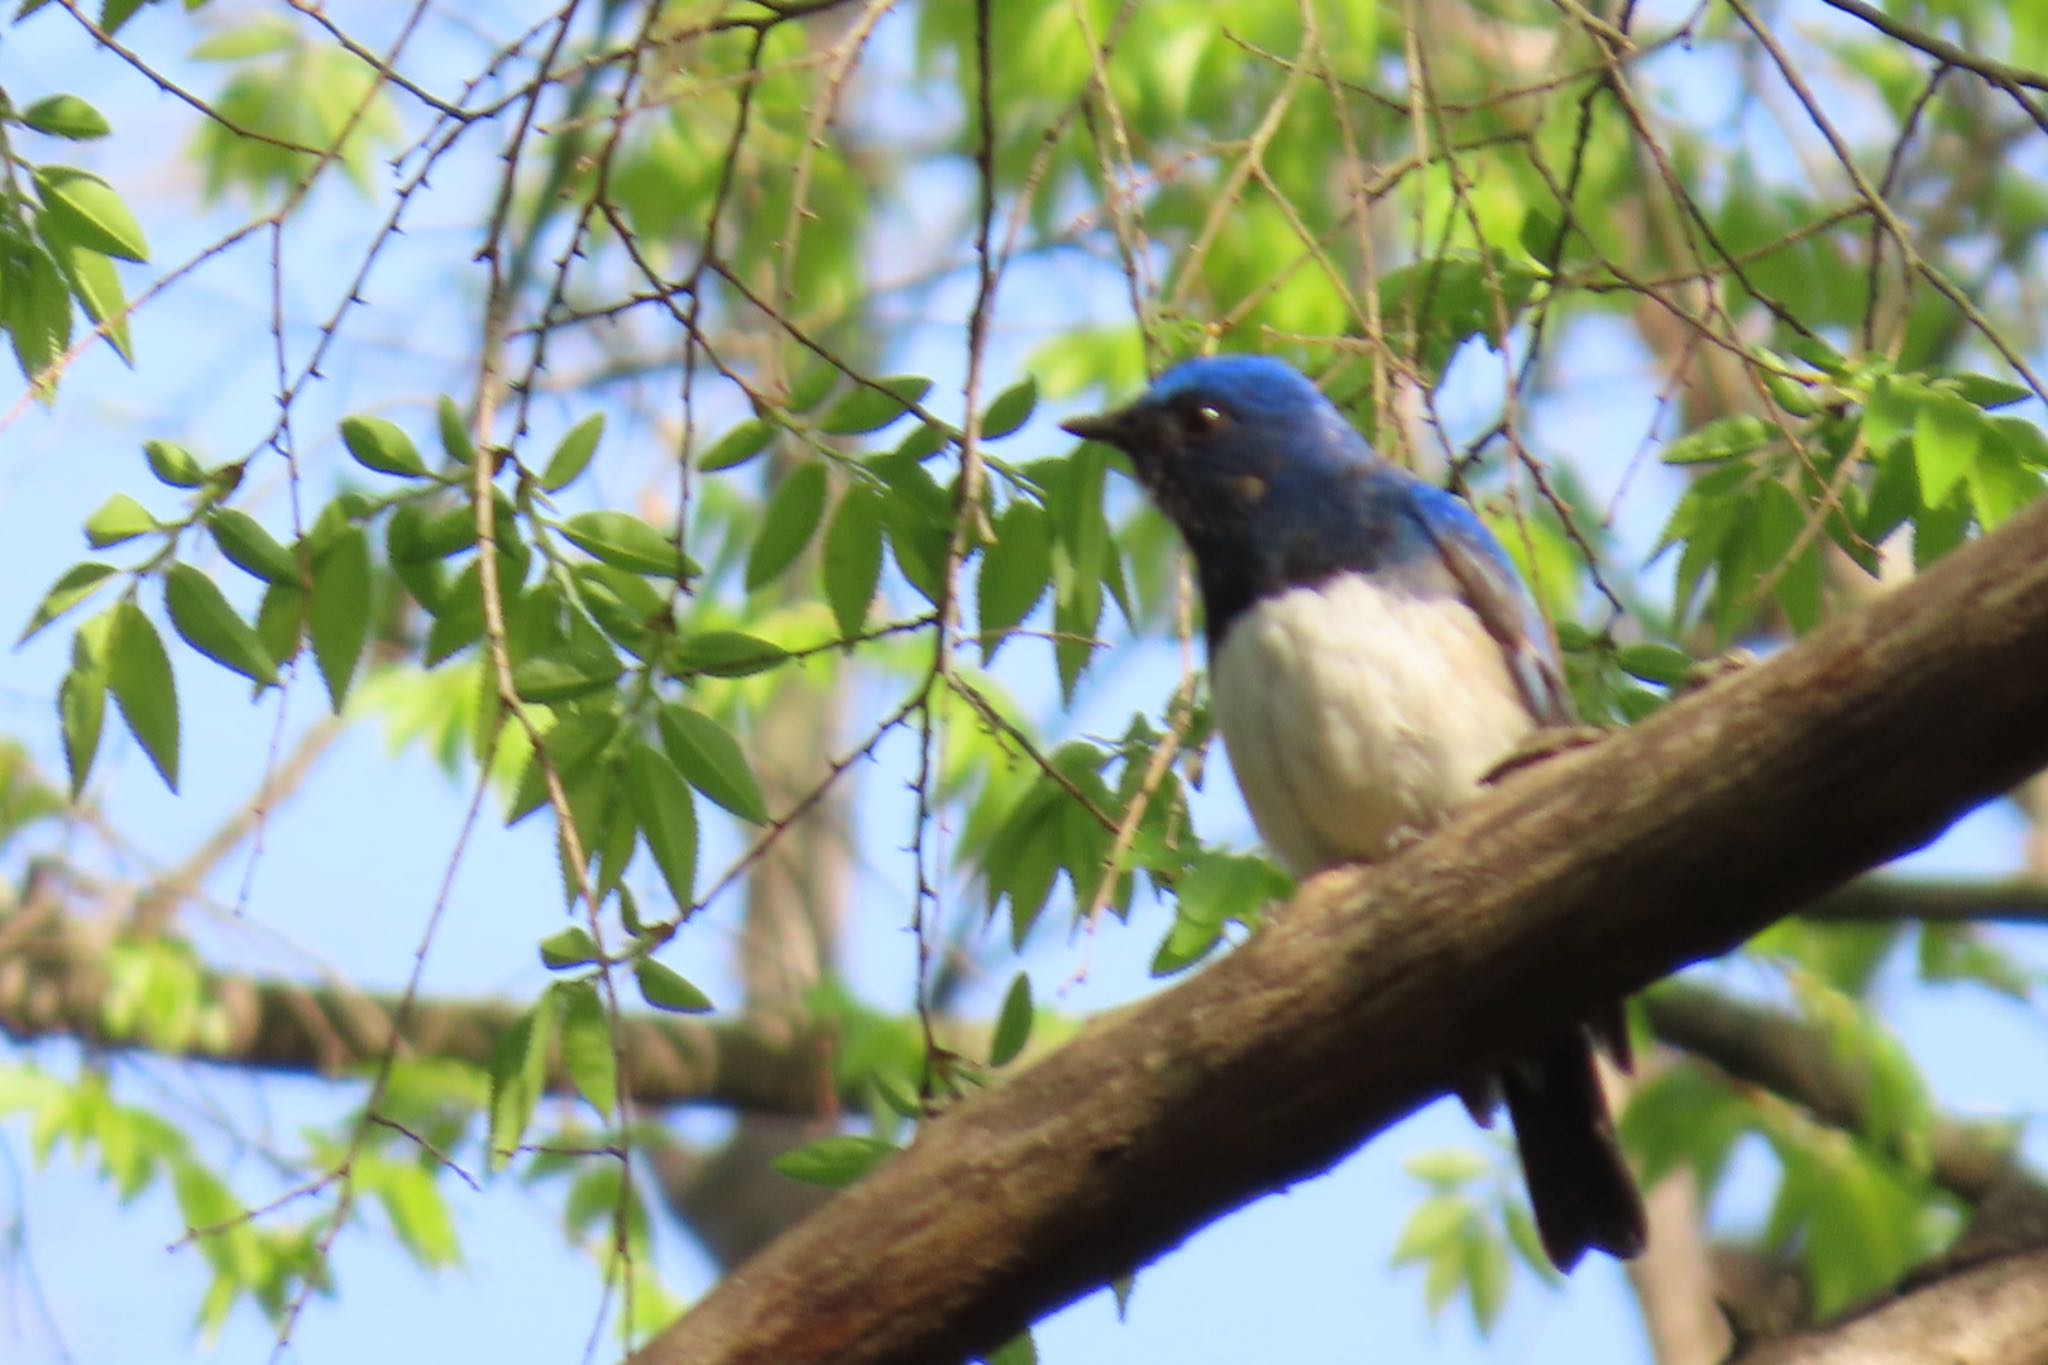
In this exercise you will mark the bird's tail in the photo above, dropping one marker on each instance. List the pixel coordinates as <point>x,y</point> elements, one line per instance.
<point>1578,1180</point>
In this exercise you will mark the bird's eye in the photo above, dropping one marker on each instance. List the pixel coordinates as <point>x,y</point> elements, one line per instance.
<point>1205,417</point>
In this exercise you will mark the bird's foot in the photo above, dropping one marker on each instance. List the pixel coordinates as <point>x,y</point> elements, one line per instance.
<point>1548,742</point>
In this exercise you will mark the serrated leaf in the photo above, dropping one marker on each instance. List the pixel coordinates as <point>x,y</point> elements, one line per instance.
<point>1013,1023</point>
<point>139,675</point>
<point>667,816</point>
<point>1012,409</point>
<point>727,654</point>
<point>117,519</point>
<point>1015,571</point>
<point>35,309</point>
<point>834,1162</point>
<point>383,446</point>
<point>570,947</point>
<point>518,1074</point>
<point>73,586</point>
<point>1724,438</point>
<point>90,213</point>
<point>208,624</point>
<point>173,464</point>
<point>666,989</point>
<point>66,116</point>
<point>623,541</point>
<point>338,616</point>
<point>788,523</point>
<point>737,446</point>
<point>281,621</point>
<point>1947,433</point>
<point>81,708</point>
<point>251,548</point>
<point>573,454</point>
<point>93,281</point>
<point>587,1052</point>
<point>870,408</point>
<point>706,754</point>
<point>852,561</point>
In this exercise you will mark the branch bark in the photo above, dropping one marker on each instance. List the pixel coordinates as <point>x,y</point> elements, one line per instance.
<point>1581,880</point>
<point>1995,1313</point>
<point>54,984</point>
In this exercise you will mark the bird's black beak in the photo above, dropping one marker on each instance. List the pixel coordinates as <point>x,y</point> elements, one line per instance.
<point>1110,428</point>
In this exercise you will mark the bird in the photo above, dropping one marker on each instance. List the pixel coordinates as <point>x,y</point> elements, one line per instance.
<point>1373,657</point>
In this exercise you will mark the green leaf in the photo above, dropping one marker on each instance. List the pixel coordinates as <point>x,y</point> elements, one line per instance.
<point>1724,438</point>
<point>518,1075</point>
<point>65,116</point>
<point>706,754</point>
<point>1947,433</point>
<point>737,446</point>
<point>1985,391</point>
<point>454,431</point>
<point>81,706</point>
<point>281,621</point>
<point>339,614</point>
<point>73,586</point>
<point>1436,1223</point>
<point>382,446</point>
<point>1655,663</point>
<point>1012,409</point>
<point>35,308</point>
<point>726,654</point>
<point>574,453</point>
<point>90,213</point>
<point>1015,571</point>
<point>208,624</point>
<point>1013,1024</point>
<point>1486,1277</point>
<point>118,519</point>
<point>250,548</point>
<point>665,989</point>
<point>834,1162</point>
<point>93,281</point>
<point>852,560</point>
<point>570,947</point>
<point>1890,412</point>
<point>872,408</point>
<point>139,675</point>
<point>572,668</point>
<point>667,816</point>
<point>587,1052</point>
<point>1018,1350</point>
<point>418,1213</point>
<point>787,524</point>
<point>1447,1167</point>
<point>623,541</point>
<point>173,464</point>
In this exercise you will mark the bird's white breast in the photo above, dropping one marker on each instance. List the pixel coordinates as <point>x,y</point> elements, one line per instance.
<point>1358,715</point>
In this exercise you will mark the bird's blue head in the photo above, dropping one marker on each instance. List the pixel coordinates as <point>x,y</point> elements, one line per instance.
<point>1219,441</point>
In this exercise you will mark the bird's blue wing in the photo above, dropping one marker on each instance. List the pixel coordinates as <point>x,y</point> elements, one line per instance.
<point>1488,582</point>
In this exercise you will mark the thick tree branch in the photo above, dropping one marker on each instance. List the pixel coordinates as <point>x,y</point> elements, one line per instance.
<point>55,984</point>
<point>1583,879</point>
<point>1771,1049</point>
<point>1995,1313</point>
